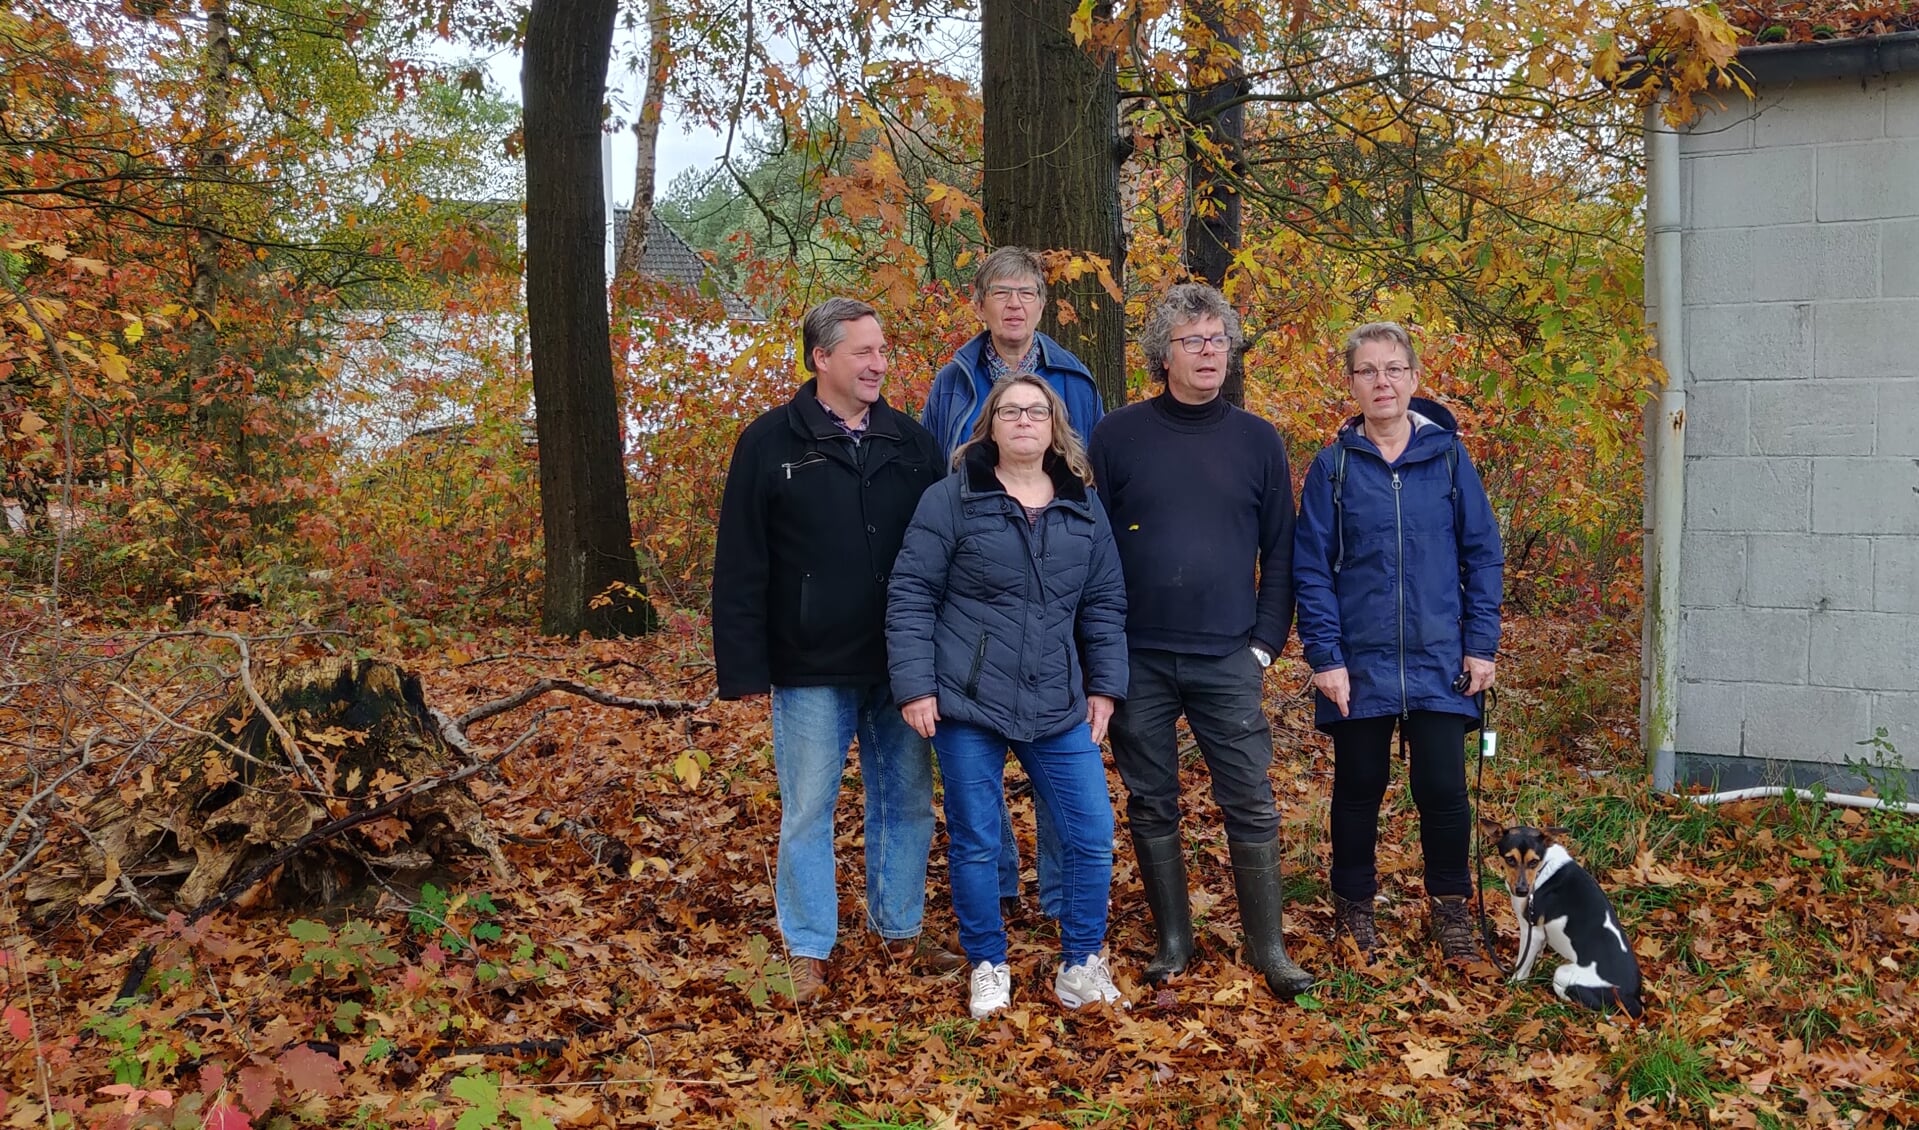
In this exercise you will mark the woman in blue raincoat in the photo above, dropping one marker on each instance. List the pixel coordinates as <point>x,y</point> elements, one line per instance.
<point>1398,568</point>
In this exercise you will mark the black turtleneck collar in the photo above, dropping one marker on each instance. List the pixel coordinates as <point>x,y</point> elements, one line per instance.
<point>1184,415</point>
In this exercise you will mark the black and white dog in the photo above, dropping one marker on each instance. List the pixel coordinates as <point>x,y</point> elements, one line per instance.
<point>1556,901</point>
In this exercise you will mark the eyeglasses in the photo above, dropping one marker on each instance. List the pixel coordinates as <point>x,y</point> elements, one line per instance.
<point>1197,343</point>
<point>1038,413</point>
<point>1393,373</point>
<point>1024,295</point>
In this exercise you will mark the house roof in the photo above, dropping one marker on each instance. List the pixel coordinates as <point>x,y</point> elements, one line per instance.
<point>1866,56</point>
<point>671,260</point>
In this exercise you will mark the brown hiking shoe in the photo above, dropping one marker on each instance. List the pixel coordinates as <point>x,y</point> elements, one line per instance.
<point>1453,927</point>
<point>1355,920</point>
<point>924,954</point>
<point>809,979</point>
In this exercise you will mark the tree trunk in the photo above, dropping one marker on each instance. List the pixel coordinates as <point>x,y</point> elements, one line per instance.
<point>1218,127</point>
<point>592,576</point>
<point>203,292</point>
<point>646,131</point>
<point>1052,167</point>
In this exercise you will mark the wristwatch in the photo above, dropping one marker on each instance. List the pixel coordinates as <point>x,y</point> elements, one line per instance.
<point>1265,657</point>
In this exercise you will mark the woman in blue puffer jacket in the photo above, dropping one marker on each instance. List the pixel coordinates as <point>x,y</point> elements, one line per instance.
<point>1006,626</point>
<point>1397,568</point>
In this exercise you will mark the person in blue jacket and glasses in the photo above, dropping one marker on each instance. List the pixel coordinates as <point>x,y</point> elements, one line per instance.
<point>1009,295</point>
<point>1397,568</point>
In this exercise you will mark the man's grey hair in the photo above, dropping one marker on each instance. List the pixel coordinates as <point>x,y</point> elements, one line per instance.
<point>1391,332</point>
<point>1008,264</point>
<point>825,326</point>
<point>1180,306</point>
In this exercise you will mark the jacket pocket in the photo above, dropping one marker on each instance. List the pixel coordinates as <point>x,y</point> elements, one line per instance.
<point>979,659</point>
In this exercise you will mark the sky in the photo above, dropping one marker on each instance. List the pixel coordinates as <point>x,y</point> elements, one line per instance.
<point>680,148</point>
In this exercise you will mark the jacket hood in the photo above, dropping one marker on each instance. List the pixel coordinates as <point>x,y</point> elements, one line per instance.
<point>980,459</point>
<point>1433,411</point>
<point>1434,430</point>
<point>1053,356</point>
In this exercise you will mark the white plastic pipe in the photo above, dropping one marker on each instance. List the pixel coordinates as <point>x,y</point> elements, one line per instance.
<point>1843,800</point>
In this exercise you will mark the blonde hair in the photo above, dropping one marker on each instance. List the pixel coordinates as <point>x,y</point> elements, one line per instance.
<point>1066,443</point>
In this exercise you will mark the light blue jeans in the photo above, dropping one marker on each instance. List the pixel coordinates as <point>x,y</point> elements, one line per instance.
<point>1069,778</point>
<point>812,728</point>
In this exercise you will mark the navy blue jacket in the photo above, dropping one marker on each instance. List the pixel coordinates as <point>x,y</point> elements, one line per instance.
<point>1419,584</point>
<point>961,385</point>
<point>1011,626</point>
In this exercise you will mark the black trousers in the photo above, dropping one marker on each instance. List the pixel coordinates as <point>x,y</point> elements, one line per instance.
<point>1362,768</point>
<point>1221,698</point>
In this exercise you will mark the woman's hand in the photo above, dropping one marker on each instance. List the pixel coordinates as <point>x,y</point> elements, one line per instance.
<point>922,714</point>
<point>1481,671</point>
<point>1099,711</point>
<point>1337,687</point>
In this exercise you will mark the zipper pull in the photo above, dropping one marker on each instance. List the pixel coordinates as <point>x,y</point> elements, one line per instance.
<point>1395,480</point>
<point>789,470</point>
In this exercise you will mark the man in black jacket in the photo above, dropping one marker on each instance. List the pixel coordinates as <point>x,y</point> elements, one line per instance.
<point>817,501</point>
<point>1201,503</point>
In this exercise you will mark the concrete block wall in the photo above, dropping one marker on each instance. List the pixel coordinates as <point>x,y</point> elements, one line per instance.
<point>1800,564</point>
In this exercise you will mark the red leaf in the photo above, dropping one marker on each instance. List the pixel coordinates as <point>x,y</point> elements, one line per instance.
<point>309,1070</point>
<point>18,1024</point>
<point>213,1078</point>
<point>227,1117</point>
<point>259,1086</point>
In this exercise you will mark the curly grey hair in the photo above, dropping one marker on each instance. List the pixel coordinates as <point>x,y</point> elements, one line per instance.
<point>1181,306</point>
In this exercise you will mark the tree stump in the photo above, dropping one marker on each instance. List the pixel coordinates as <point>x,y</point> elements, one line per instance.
<point>182,832</point>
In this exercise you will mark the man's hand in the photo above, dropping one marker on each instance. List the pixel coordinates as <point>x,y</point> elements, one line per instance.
<point>1337,687</point>
<point>1481,671</point>
<point>922,714</point>
<point>1099,711</point>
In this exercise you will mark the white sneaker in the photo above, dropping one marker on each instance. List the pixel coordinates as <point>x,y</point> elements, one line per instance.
<point>992,988</point>
<point>1089,982</point>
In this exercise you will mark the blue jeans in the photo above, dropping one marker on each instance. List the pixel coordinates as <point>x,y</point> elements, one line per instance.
<point>812,727</point>
<point>1045,857</point>
<point>1069,779</point>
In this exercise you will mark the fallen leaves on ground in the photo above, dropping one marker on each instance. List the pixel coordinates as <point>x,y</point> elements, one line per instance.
<point>1780,944</point>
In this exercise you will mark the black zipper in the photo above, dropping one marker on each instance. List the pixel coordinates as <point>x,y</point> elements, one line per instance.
<point>979,658</point>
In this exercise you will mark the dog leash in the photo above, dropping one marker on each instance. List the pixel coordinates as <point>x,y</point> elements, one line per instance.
<point>1488,748</point>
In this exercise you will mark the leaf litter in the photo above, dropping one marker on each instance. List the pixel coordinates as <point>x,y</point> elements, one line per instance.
<point>1780,943</point>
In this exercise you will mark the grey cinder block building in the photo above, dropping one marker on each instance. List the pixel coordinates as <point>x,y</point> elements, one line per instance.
<point>1783,458</point>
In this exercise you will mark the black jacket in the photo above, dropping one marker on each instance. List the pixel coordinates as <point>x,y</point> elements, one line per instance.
<point>1011,625</point>
<point>809,527</point>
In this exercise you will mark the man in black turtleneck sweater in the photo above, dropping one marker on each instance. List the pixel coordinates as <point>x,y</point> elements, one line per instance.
<point>1201,503</point>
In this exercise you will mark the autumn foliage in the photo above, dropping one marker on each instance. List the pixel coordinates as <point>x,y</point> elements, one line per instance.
<point>264,379</point>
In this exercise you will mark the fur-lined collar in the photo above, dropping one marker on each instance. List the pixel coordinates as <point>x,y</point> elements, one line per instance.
<point>981,458</point>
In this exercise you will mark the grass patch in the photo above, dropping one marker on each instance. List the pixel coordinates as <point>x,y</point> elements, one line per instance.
<point>1301,885</point>
<point>1811,1025</point>
<point>852,1118</point>
<point>1607,828</point>
<point>1666,1068</point>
